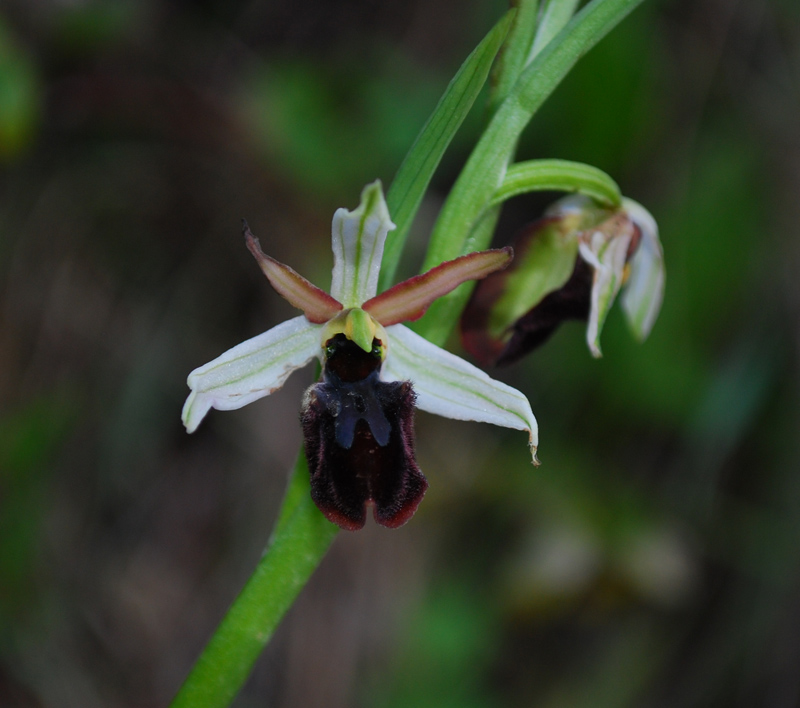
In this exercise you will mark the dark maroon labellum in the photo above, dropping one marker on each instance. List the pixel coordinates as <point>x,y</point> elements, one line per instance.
<point>359,440</point>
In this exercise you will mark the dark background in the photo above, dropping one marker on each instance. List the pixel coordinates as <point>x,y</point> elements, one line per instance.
<point>652,560</point>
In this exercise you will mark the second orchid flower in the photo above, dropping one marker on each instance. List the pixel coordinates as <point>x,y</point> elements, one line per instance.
<point>571,264</point>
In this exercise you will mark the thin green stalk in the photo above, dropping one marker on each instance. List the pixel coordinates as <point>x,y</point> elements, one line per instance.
<point>301,538</point>
<point>558,175</point>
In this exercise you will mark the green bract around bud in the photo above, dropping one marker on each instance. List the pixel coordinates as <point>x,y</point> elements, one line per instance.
<point>571,264</point>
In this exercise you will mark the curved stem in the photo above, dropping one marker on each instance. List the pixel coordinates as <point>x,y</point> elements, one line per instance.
<point>558,175</point>
<point>301,538</point>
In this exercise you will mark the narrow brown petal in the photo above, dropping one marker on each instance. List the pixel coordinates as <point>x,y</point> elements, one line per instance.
<point>407,301</point>
<point>316,304</point>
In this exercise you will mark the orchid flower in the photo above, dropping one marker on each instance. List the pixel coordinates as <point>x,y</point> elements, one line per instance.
<point>358,419</point>
<point>571,264</point>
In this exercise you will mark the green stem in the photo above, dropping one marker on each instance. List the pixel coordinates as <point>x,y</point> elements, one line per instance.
<point>301,538</point>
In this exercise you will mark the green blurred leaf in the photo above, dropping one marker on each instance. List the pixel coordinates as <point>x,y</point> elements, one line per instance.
<point>20,96</point>
<point>324,128</point>
<point>715,243</point>
<point>607,109</point>
<point>88,27</point>
<point>28,440</point>
<point>444,652</point>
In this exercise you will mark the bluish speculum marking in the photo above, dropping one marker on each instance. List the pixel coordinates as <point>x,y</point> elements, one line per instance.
<point>351,375</point>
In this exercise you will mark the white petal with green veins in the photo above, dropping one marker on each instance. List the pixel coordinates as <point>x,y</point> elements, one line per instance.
<point>607,256</point>
<point>358,240</point>
<point>644,290</point>
<point>451,387</point>
<point>251,370</point>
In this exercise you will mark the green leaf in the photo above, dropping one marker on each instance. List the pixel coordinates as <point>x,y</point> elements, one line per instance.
<point>554,16</point>
<point>558,175</point>
<point>514,54</point>
<point>415,173</point>
<point>301,539</point>
<point>485,170</point>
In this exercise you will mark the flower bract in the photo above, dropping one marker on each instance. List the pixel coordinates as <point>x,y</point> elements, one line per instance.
<point>358,419</point>
<point>571,264</point>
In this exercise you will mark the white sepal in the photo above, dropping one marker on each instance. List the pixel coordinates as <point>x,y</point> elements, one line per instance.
<point>451,387</point>
<point>606,254</point>
<point>251,370</point>
<point>358,240</point>
<point>644,290</point>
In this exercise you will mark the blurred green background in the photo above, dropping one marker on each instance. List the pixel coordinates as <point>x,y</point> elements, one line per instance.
<point>652,560</point>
